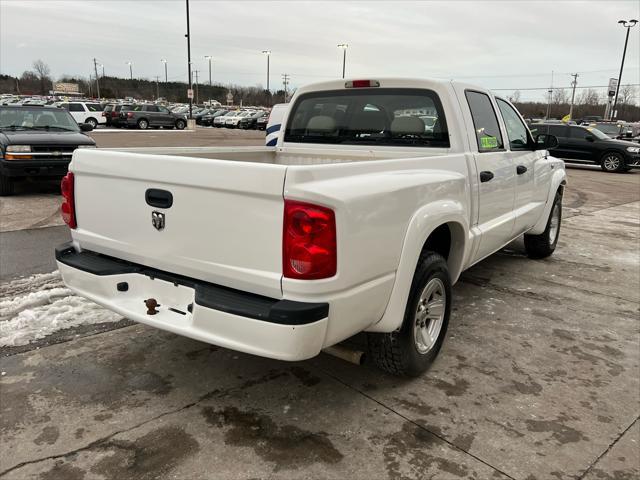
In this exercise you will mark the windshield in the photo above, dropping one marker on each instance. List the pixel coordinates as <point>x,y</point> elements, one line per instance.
<point>597,133</point>
<point>389,117</point>
<point>607,128</point>
<point>16,118</point>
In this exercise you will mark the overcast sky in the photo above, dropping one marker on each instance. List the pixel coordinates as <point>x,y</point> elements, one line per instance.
<point>498,44</point>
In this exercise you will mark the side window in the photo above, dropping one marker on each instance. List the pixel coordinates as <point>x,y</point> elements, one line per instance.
<point>163,110</point>
<point>578,132</point>
<point>151,108</point>
<point>559,131</point>
<point>76,107</point>
<point>94,107</point>
<point>516,131</point>
<point>485,122</point>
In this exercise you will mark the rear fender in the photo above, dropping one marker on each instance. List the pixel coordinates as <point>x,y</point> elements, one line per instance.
<point>422,224</point>
<point>558,180</point>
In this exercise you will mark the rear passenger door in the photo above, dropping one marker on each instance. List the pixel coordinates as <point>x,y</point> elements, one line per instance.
<point>153,115</point>
<point>531,167</point>
<point>496,176</point>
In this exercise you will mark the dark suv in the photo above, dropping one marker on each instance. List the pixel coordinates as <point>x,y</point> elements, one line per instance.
<point>145,116</point>
<point>588,144</point>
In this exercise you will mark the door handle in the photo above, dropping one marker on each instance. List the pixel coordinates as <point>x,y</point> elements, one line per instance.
<point>520,169</point>
<point>158,198</point>
<point>486,176</point>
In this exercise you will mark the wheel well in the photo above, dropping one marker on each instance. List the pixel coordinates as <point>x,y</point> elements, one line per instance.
<point>91,118</point>
<point>439,241</point>
<point>449,241</point>
<point>606,152</point>
<point>143,118</point>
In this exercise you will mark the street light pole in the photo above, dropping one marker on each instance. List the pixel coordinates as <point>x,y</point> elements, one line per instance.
<point>95,66</point>
<point>130,70</point>
<point>165,70</point>
<point>344,47</point>
<point>208,57</point>
<point>268,54</point>
<point>188,35</point>
<point>628,25</point>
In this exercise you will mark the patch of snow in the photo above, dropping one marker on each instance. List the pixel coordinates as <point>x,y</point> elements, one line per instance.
<point>41,305</point>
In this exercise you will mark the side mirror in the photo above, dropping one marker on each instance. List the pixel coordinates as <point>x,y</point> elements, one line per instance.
<point>85,127</point>
<point>546,142</point>
<point>589,138</point>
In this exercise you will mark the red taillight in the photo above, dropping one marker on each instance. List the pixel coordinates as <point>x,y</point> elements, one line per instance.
<point>130,114</point>
<point>68,207</point>
<point>309,250</point>
<point>361,84</point>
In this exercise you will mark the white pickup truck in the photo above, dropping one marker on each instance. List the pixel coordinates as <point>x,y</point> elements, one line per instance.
<point>377,195</point>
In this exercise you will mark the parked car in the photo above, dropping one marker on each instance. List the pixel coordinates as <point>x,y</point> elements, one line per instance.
<point>232,121</point>
<point>85,112</point>
<point>201,113</point>
<point>37,142</point>
<point>358,220</point>
<point>154,116</point>
<point>261,122</point>
<point>251,121</point>
<point>207,120</point>
<point>220,120</point>
<point>588,144</point>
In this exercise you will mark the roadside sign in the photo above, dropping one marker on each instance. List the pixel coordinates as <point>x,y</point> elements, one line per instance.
<point>190,93</point>
<point>613,84</point>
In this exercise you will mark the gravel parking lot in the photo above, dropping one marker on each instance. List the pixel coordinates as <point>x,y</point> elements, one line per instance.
<point>539,377</point>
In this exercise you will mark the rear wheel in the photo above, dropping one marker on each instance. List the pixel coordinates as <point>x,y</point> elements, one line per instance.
<point>143,124</point>
<point>6,185</point>
<point>91,121</point>
<point>543,245</point>
<point>613,162</point>
<point>180,124</point>
<point>411,350</point>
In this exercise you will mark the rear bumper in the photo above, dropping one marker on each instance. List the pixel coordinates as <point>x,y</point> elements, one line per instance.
<point>34,168</point>
<point>281,329</point>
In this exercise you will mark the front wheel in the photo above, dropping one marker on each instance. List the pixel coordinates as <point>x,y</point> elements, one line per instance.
<point>613,162</point>
<point>410,350</point>
<point>180,124</point>
<point>543,245</point>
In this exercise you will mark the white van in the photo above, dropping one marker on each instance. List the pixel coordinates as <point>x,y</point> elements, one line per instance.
<point>86,112</point>
<point>274,124</point>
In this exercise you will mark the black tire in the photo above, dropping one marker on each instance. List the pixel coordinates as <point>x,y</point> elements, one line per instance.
<point>6,185</point>
<point>613,162</point>
<point>181,124</point>
<point>397,352</point>
<point>543,245</point>
<point>143,124</point>
<point>92,121</point>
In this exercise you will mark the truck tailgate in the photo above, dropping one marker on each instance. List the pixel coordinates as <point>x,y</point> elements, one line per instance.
<point>224,226</point>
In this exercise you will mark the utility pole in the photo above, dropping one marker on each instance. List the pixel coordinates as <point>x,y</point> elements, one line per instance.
<point>196,74</point>
<point>157,87</point>
<point>188,35</point>
<point>627,25</point>
<point>285,83</point>
<point>574,83</point>
<point>95,67</point>
<point>550,97</point>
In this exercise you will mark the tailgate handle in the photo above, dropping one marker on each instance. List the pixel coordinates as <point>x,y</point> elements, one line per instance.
<point>158,198</point>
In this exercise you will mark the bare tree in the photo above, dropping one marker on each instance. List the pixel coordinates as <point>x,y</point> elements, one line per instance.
<point>589,97</point>
<point>627,95</point>
<point>515,98</point>
<point>560,96</point>
<point>43,72</point>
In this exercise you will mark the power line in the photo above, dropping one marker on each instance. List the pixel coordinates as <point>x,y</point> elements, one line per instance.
<point>563,88</point>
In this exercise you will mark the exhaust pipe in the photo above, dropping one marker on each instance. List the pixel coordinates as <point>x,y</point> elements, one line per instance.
<point>356,357</point>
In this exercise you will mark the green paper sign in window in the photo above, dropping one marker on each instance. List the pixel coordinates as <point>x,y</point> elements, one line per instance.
<point>488,142</point>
